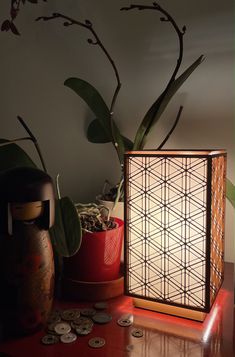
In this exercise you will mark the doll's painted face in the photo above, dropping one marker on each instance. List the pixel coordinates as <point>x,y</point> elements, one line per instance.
<point>26,211</point>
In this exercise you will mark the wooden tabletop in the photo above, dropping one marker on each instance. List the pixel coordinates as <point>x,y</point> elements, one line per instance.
<point>163,335</point>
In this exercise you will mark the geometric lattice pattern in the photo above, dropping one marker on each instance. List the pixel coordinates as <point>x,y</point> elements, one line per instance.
<point>217,224</point>
<point>166,228</point>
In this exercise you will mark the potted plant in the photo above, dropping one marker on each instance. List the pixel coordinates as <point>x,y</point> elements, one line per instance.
<point>94,271</point>
<point>104,128</point>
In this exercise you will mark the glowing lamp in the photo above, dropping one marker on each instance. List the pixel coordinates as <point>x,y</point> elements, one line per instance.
<point>174,230</point>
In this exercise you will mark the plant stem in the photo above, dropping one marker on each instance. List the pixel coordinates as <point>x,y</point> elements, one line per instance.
<point>180,34</point>
<point>89,26</point>
<point>172,129</point>
<point>34,140</point>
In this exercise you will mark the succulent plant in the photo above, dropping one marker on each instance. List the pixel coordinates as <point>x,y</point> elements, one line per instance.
<point>94,218</point>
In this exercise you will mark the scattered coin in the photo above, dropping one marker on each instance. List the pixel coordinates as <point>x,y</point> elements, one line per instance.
<point>50,339</point>
<point>101,305</point>
<point>82,321</point>
<point>68,337</point>
<point>70,314</point>
<point>83,330</point>
<point>124,322</point>
<point>51,327</point>
<point>127,317</point>
<point>96,342</point>
<point>101,318</point>
<point>137,332</point>
<point>62,328</point>
<point>54,317</point>
<point>88,312</point>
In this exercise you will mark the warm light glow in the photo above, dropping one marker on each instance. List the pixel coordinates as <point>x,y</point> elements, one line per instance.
<point>171,197</point>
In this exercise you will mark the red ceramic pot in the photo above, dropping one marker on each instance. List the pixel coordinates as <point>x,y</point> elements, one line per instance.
<point>98,258</point>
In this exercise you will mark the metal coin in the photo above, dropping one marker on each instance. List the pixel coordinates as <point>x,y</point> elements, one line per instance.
<point>127,317</point>
<point>54,317</point>
<point>83,330</point>
<point>96,342</point>
<point>101,305</point>
<point>62,328</point>
<point>70,314</point>
<point>101,318</point>
<point>82,321</point>
<point>68,337</point>
<point>49,339</point>
<point>88,312</point>
<point>124,322</point>
<point>51,328</point>
<point>137,332</point>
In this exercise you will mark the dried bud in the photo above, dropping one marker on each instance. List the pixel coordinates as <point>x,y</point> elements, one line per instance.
<point>89,40</point>
<point>14,29</point>
<point>163,19</point>
<point>184,29</point>
<point>5,25</point>
<point>87,22</point>
<point>66,23</point>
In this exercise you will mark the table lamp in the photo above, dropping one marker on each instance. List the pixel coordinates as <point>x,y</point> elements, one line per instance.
<point>174,230</point>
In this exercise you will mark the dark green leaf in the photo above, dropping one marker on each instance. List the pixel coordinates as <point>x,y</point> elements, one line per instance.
<point>127,143</point>
<point>230,192</point>
<point>12,156</point>
<point>93,99</point>
<point>97,135</point>
<point>96,103</point>
<point>66,234</point>
<point>158,107</point>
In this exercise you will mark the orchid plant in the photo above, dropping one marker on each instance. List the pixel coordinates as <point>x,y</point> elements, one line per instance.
<point>104,128</point>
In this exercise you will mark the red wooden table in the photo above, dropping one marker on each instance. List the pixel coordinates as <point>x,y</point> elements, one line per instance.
<point>163,335</point>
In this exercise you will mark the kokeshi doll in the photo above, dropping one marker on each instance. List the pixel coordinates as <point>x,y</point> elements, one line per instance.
<point>26,256</point>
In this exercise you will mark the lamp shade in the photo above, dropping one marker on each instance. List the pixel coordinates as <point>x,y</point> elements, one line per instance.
<point>174,229</point>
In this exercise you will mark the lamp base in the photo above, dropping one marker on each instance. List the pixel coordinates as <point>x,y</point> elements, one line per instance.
<point>170,309</point>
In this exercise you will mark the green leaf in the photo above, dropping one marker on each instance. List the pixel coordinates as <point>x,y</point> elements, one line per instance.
<point>230,192</point>
<point>97,104</point>
<point>155,111</point>
<point>97,135</point>
<point>12,156</point>
<point>93,99</point>
<point>66,234</point>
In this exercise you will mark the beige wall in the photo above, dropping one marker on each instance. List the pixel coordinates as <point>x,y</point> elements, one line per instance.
<point>35,65</point>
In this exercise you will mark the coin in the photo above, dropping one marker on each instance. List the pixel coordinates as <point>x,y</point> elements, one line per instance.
<point>83,330</point>
<point>127,317</point>
<point>88,312</point>
<point>54,317</point>
<point>68,337</point>
<point>82,321</point>
<point>137,332</point>
<point>49,339</point>
<point>101,318</point>
<point>51,328</point>
<point>101,305</point>
<point>70,314</point>
<point>62,328</point>
<point>124,322</point>
<point>96,342</point>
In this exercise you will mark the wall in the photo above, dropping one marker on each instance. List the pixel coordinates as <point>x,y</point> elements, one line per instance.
<point>35,65</point>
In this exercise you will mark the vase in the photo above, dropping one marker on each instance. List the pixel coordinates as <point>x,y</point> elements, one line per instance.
<point>98,258</point>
